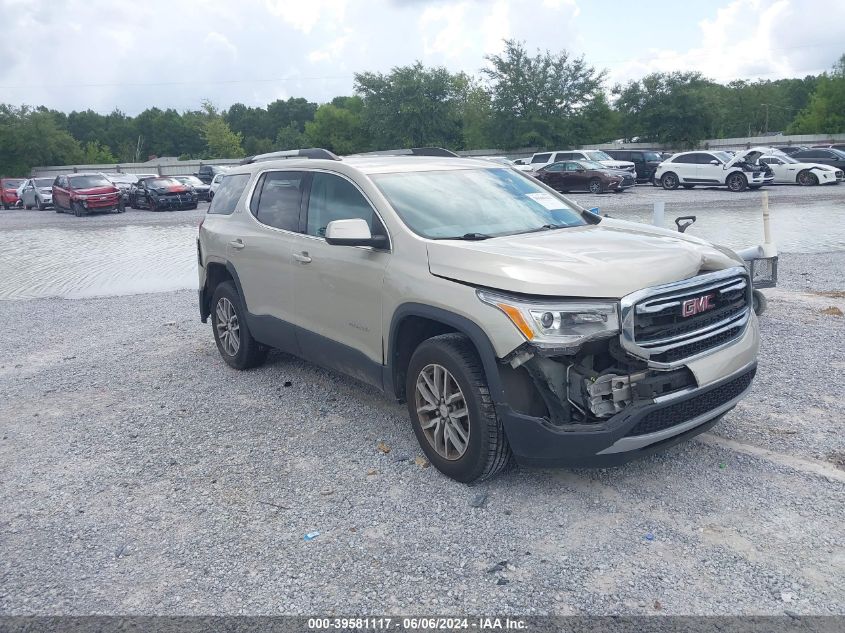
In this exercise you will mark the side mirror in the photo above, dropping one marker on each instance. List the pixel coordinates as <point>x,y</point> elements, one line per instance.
<point>353,232</point>
<point>715,162</point>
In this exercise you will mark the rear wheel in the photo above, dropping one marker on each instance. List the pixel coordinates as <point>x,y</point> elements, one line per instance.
<point>595,186</point>
<point>452,412</point>
<point>737,182</point>
<point>807,178</point>
<point>231,332</point>
<point>669,180</point>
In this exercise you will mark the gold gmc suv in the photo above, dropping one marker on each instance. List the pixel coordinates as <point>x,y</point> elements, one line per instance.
<point>515,324</point>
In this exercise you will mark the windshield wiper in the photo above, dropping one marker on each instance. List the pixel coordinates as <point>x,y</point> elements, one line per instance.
<point>470,237</point>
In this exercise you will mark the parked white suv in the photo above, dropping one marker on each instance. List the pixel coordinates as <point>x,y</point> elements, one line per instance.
<point>514,323</point>
<point>688,169</point>
<point>597,156</point>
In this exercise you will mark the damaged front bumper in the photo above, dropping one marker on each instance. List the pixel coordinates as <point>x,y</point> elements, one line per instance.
<point>638,430</point>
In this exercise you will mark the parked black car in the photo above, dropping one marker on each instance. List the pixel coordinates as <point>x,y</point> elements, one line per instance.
<point>202,190</point>
<point>207,173</point>
<point>162,193</point>
<point>789,150</point>
<point>584,175</point>
<point>832,157</point>
<point>646,161</point>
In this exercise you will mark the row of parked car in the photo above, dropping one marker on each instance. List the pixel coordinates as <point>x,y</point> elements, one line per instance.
<point>85,193</point>
<point>600,171</point>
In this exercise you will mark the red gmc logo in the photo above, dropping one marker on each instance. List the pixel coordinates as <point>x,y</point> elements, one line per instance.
<point>698,305</point>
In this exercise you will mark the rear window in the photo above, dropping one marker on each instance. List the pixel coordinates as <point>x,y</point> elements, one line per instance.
<point>228,194</point>
<point>541,158</point>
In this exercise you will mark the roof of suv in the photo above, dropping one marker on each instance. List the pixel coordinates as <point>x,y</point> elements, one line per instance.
<point>372,164</point>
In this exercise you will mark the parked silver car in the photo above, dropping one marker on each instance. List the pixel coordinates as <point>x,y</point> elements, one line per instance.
<point>37,192</point>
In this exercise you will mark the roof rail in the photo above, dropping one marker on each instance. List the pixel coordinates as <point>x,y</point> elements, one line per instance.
<point>413,151</point>
<point>312,152</point>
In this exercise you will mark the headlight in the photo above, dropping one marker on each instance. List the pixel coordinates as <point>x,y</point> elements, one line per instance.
<point>550,323</point>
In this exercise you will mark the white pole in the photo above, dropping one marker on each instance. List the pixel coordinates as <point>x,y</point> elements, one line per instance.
<point>657,213</point>
<point>769,249</point>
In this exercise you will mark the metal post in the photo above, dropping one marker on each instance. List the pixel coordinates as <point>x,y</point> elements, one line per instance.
<point>767,234</point>
<point>657,218</point>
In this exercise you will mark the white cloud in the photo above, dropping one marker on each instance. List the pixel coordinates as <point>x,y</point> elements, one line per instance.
<point>753,39</point>
<point>304,15</point>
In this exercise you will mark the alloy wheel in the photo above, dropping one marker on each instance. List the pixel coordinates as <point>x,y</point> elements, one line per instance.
<point>442,411</point>
<point>228,328</point>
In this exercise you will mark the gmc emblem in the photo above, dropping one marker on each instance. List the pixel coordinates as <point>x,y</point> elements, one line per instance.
<point>691,307</point>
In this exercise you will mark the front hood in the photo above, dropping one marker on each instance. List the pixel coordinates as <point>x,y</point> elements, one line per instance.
<point>812,166</point>
<point>96,191</point>
<point>610,260</point>
<point>750,156</point>
<point>172,189</point>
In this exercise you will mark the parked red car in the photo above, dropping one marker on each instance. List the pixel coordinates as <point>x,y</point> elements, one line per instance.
<point>82,194</point>
<point>9,191</point>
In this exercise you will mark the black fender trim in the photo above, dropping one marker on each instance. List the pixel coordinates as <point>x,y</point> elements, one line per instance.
<point>460,323</point>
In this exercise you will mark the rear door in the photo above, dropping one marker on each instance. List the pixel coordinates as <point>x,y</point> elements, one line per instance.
<point>553,176</point>
<point>338,289</point>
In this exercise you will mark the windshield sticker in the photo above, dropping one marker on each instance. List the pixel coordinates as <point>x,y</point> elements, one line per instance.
<point>547,200</point>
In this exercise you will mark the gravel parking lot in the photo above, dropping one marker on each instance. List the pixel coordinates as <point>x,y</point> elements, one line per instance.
<point>140,475</point>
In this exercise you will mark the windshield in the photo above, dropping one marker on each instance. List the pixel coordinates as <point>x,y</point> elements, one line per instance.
<point>88,182</point>
<point>652,156</point>
<point>43,182</point>
<point>128,178</point>
<point>158,183</point>
<point>597,155</point>
<point>189,180</point>
<point>474,202</point>
<point>839,153</point>
<point>12,184</point>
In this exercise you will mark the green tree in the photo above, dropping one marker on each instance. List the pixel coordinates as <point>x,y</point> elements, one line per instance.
<point>534,98</point>
<point>338,128</point>
<point>412,106</point>
<point>825,113</point>
<point>220,140</point>
<point>33,137</point>
<point>95,154</point>
<point>678,108</point>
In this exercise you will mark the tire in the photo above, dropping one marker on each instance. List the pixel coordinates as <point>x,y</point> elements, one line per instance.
<point>669,180</point>
<point>806,178</point>
<point>737,182</point>
<point>486,450</point>
<point>210,196</point>
<point>595,186</point>
<point>132,203</point>
<point>242,352</point>
<point>78,211</point>
<point>41,205</point>
<point>5,206</point>
<point>688,186</point>
<point>152,204</point>
<point>758,302</point>
<point>121,207</point>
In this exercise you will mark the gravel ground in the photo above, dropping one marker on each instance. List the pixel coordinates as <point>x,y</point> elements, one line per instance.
<point>140,475</point>
<point>17,219</point>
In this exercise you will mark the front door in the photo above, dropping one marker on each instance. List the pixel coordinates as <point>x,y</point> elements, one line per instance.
<point>338,289</point>
<point>574,176</point>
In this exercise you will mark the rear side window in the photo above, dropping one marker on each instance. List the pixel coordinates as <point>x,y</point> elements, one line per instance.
<point>684,158</point>
<point>277,200</point>
<point>541,158</point>
<point>335,198</point>
<point>228,194</point>
<point>704,159</point>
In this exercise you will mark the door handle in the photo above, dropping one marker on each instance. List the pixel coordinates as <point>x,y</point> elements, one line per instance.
<point>238,243</point>
<point>302,257</point>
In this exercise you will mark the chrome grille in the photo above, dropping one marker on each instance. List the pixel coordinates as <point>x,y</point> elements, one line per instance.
<point>670,324</point>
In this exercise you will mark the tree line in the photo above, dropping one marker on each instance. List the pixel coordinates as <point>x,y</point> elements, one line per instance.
<point>519,99</point>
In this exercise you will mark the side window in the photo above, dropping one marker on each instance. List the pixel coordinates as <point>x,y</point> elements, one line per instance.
<point>813,154</point>
<point>572,166</point>
<point>704,159</point>
<point>684,158</point>
<point>560,156</point>
<point>541,158</point>
<point>335,198</point>
<point>277,200</point>
<point>635,157</point>
<point>555,167</point>
<point>228,194</point>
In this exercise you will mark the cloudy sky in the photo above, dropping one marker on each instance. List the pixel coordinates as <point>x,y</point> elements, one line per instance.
<point>106,54</point>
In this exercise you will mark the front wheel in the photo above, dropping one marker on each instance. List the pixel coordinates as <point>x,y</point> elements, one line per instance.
<point>806,178</point>
<point>595,186</point>
<point>41,205</point>
<point>78,211</point>
<point>669,181</point>
<point>452,412</point>
<point>231,332</point>
<point>737,182</point>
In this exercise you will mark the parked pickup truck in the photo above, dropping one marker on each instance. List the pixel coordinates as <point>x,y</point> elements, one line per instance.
<point>516,325</point>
